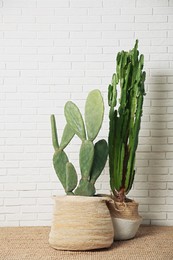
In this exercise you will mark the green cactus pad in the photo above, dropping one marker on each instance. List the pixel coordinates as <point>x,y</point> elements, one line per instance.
<point>94,111</point>
<point>86,157</point>
<point>66,137</point>
<point>54,133</point>
<point>71,177</point>
<point>74,119</point>
<point>85,188</point>
<point>59,161</point>
<point>100,158</point>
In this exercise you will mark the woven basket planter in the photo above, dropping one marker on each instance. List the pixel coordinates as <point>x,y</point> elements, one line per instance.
<point>81,223</point>
<point>125,218</point>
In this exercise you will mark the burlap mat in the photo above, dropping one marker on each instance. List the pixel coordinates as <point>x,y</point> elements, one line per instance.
<point>31,243</point>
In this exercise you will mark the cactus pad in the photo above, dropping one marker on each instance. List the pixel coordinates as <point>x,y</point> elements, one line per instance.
<point>54,133</point>
<point>59,161</point>
<point>74,119</point>
<point>85,188</point>
<point>71,177</point>
<point>86,157</point>
<point>68,134</point>
<point>100,158</point>
<point>94,111</point>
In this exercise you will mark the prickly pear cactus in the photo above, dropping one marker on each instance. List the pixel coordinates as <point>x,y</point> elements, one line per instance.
<point>92,158</point>
<point>90,155</point>
<point>125,118</point>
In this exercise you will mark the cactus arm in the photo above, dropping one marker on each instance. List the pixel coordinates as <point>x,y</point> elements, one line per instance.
<point>86,157</point>
<point>54,133</point>
<point>71,178</point>
<point>94,110</point>
<point>75,120</point>
<point>100,158</point>
<point>68,134</point>
<point>59,161</point>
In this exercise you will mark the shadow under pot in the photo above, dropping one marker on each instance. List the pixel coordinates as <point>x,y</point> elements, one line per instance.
<point>81,223</point>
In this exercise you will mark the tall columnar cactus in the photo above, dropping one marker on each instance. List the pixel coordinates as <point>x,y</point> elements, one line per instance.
<point>92,158</point>
<point>125,119</point>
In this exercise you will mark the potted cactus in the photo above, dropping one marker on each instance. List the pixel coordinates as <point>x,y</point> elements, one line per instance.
<point>81,220</point>
<point>125,118</point>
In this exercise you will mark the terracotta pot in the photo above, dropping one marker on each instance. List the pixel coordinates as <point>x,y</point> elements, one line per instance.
<point>125,218</point>
<point>81,223</point>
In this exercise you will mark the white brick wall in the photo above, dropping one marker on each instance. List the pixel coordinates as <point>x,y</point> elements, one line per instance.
<point>56,50</point>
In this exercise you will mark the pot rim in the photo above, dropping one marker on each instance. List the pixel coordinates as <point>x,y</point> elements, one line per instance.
<point>81,198</point>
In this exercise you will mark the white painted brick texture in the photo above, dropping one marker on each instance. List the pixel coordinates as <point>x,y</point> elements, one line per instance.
<point>56,50</point>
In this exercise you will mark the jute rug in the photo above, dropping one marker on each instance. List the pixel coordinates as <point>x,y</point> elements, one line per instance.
<point>31,243</point>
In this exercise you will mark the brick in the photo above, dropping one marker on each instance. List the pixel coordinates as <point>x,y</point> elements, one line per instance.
<point>150,185</point>
<point>150,18</point>
<point>157,216</point>
<point>88,3</point>
<point>151,201</point>
<point>85,19</point>
<point>118,18</point>
<point>52,19</point>
<point>162,222</point>
<point>53,35</point>
<point>154,3</point>
<point>161,133</point>
<point>163,10</point>
<point>161,163</point>
<point>104,11</point>
<point>85,35</point>
<point>158,193</point>
<point>170,141</point>
<point>18,19</point>
<point>136,11</point>
<point>118,3</point>
<point>52,3</point>
<point>71,11</point>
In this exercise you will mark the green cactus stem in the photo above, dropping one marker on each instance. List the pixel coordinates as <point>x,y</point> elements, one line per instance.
<point>125,119</point>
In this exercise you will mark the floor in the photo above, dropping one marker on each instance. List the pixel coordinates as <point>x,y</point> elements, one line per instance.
<point>31,243</point>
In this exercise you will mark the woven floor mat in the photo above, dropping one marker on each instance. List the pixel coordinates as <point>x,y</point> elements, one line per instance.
<point>31,243</point>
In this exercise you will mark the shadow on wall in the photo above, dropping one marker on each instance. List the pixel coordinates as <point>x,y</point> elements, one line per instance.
<point>154,158</point>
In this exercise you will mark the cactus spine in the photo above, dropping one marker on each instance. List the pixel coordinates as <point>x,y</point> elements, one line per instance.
<point>92,158</point>
<point>125,119</point>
